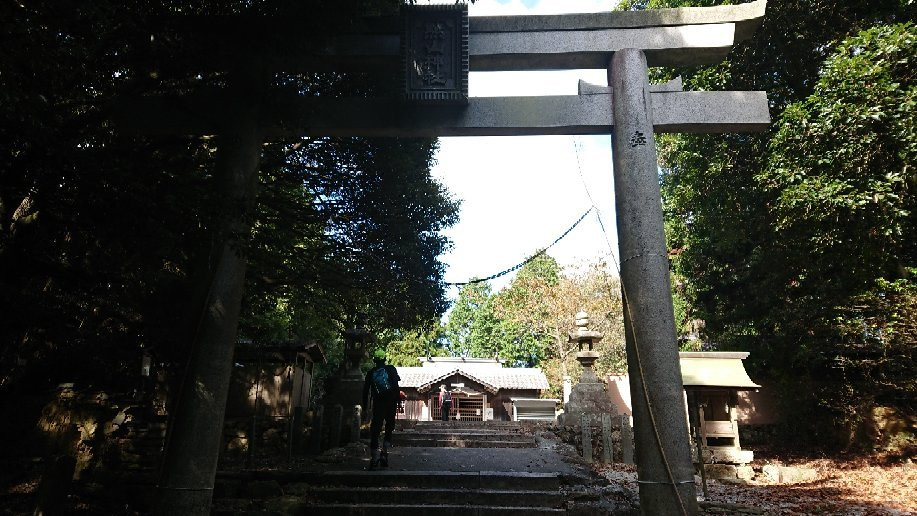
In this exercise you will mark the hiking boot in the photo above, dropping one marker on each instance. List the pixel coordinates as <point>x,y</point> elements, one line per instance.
<point>374,460</point>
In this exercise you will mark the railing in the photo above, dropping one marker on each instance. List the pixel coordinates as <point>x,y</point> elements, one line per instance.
<point>464,408</point>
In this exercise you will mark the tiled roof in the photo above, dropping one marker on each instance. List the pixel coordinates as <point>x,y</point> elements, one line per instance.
<point>446,374</point>
<point>496,378</point>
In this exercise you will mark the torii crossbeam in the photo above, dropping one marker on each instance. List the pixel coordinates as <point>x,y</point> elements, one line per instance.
<point>437,54</point>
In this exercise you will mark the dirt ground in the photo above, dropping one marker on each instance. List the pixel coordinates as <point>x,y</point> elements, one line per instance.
<point>860,486</point>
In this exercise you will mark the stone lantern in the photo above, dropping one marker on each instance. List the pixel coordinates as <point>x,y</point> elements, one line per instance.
<point>586,339</point>
<point>356,340</point>
<point>344,390</point>
<point>588,397</point>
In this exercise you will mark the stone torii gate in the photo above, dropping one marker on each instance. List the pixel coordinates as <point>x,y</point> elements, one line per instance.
<point>437,46</point>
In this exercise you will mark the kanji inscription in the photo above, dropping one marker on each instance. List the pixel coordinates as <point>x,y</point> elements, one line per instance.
<point>435,53</point>
<point>638,138</point>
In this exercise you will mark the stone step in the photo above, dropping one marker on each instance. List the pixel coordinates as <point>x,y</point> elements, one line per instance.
<point>439,493</point>
<point>424,510</point>
<point>434,496</point>
<point>459,442</point>
<point>469,424</point>
<point>468,435</point>
<point>293,506</point>
<point>388,478</point>
<point>480,431</point>
<point>446,479</point>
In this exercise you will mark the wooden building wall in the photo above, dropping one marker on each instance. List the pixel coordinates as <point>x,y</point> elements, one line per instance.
<point>501,403</point>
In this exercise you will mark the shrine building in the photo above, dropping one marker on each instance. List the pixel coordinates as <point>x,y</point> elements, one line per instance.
<point>482,389</point>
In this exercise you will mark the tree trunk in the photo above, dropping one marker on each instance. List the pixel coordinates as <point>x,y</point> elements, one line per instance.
<point>563,356</point>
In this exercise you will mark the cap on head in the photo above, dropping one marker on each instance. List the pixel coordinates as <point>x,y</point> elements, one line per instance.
<point>379,354</point>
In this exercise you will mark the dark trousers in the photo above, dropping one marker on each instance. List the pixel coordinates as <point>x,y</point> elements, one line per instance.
<point>447,406</point>
<point>383,411</point>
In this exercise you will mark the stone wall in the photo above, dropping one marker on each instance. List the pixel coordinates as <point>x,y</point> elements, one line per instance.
<point>97,439</point>
<point>621,440</point>
<point>268,435</point>
<point>103,433</point>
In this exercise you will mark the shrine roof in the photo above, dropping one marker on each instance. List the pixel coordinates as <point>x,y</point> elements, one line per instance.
<point>715,369</point>
<point>492,378</point>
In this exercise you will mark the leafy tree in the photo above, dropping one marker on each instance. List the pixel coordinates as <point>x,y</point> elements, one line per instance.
<point>473,328</point>
<point>350,226</point>
<point>94,243</point>
<point>102,232</point>
<point>528,322</point>
<point>107,237</point>
<point>841,171</point>
<point>111,242</point>
<point>532,335</point>
<point>403,347</point>
<point>542,301</point>
<point>477,327</point>
<point>756,284</point>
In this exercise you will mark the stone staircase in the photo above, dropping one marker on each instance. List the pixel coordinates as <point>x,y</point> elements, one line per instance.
<point>453,481</point>
<point>465,434</point>
<point>440,493</point>
<point>437,468</point>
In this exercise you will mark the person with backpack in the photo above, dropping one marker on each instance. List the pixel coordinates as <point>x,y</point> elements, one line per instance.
<point>445,402</point>
<point>382,381</point>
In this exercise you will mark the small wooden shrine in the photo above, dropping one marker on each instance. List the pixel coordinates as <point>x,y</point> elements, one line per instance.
<point>712,382</point>
<point>270,390</point>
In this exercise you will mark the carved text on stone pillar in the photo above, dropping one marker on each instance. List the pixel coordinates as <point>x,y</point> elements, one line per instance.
<point>638,138</point>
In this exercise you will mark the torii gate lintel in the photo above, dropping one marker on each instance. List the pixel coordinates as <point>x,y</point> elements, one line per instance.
<point>590,112</point>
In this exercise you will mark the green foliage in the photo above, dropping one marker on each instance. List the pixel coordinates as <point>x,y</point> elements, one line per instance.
<point>107,238</point>
<point>681,305</point>
<point>403,347</point>
<point>783,235</point>
<point>473,328</point>
<point>540,269</point>
<point>842,161</point>
<point>350,226</point>
<point>841,171</point>
<point>528,323</point>
<point>527,312</point>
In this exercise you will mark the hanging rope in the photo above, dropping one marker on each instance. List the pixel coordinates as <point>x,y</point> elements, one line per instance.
<point>527,260</point>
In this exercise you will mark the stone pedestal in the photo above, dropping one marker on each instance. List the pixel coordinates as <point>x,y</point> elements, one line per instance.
<point>589,399</point>
<point>347,393</point>
<point>346,388</point>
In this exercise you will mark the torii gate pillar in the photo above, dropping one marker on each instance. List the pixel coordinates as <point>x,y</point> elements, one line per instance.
<point>663,458</point>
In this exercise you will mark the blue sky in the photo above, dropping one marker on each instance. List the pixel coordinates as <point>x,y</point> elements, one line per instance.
<point>520,193</point>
